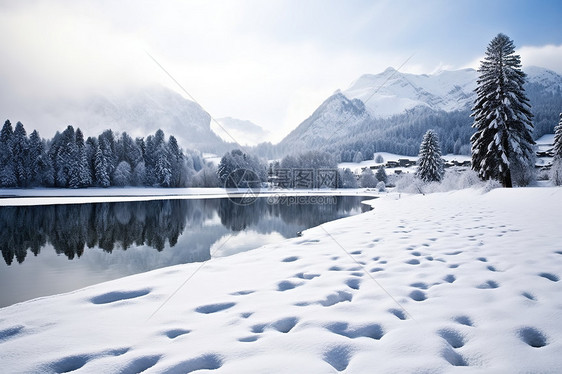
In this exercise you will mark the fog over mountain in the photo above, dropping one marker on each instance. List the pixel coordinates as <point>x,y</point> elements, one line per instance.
<point>242,131</point>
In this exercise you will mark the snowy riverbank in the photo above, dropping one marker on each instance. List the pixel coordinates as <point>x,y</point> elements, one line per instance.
<point>421,283</point>
<point>48,196</point>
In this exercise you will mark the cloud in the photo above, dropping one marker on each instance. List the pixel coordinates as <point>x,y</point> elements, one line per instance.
<point>548,56</point>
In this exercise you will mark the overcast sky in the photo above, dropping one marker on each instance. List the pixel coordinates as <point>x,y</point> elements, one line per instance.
<point>270,62</point>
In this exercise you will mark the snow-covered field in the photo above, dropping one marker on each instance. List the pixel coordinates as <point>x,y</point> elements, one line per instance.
<point>419,284</point>
<point>358,167</point>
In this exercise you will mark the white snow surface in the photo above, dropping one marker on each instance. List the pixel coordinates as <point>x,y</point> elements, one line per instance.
<point>419,284</point>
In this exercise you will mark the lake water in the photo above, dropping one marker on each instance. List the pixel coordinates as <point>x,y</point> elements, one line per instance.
<point>58,248</point>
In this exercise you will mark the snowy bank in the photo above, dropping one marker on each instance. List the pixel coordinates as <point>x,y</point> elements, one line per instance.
<point>419,284</point>
<point>48,196</point>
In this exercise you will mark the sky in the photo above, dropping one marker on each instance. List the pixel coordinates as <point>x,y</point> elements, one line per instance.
<point>271,62</point>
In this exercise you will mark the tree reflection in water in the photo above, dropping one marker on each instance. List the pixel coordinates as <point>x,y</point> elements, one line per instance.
<point>70,229</point>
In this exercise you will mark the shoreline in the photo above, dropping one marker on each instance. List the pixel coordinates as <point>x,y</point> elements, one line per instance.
<point>29,197</point>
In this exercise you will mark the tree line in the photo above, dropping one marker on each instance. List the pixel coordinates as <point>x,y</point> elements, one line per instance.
<point>68,160</point>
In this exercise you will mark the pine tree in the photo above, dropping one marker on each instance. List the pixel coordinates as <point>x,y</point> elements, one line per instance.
<point>558,139</point>
<point>430,163</point>
<point>83,167</point>
<point>556,168</point>
<point>502,116</point>
<point>7,170</point>
<point>348,179</point>
<point>102,177</point>
<point>20,152</point>
<point>367,179</point>
<point>381,175</point>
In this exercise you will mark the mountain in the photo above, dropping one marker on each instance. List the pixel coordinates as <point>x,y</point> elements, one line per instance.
<point>139,112</point>
<point>334,118</point>
<point>392,92</point>
<point>390,112</point>
<point>244,132</point>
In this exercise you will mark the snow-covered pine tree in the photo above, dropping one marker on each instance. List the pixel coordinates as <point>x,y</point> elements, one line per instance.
<point>367,179</point>
<point>348,179</point>
<point>502,117</point>
<point>20,152</point>
<point>430,163</point>
<point>7,169</point>
<point>100,165</point>
<point>381,175</point>
<point>556,169</point>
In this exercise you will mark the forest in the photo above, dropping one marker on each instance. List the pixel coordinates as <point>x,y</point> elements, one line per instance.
<point>70,161</point>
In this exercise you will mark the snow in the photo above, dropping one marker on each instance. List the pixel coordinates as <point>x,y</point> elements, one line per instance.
<point>358,167</point>
<point>49,196</point>
<point>392,92</point>
<point>419,284</point>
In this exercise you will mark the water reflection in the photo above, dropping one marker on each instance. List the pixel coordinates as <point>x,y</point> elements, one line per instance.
<point>70,229</point>
<point>106,241</point>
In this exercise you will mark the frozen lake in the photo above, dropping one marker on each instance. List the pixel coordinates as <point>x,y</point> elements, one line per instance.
<point>58,248</point>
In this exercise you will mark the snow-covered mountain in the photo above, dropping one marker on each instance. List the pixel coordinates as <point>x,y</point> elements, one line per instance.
<point>392,92</point>
<point>333,118</point>
<point>244,132</point>
<point>139,111</point>
<point>391,111</point>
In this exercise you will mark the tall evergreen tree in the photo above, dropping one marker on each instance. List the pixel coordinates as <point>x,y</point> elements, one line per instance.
<point>7,170</point>
<point>100,164</point>
<point>556,168</point>
<point>430,163</point>
<point>558,139</point>
<point>381,175</point>
<point>502,117</point>
<point>20,153</point>
<point>83,168</point>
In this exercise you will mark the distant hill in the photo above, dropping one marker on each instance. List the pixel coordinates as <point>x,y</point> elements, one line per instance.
<point>244,132</point>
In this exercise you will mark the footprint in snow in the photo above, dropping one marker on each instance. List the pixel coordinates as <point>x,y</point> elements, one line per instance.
<point>114,296</point>
<point>420,285</point>
<point>449,278</point>
<point>214,308</point>
<point>371,330</point>
<point>550,277</point>
<point>532,336</point>
<point>307,276</point>
<point>353,283</point>
<point>464,320</point>
<point>338,356</point>
<point>336,298</point>
<point>11,332</point>
<point>172,334</point>
<point>242,293</point>
<point>287,285</point>
<point>418,295</point>
<point>398,313</point>
<point>453,337</point>
<point>490,284</point>
<point>209,361</point>
<point>140,364</point>
<point>290,259</point>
